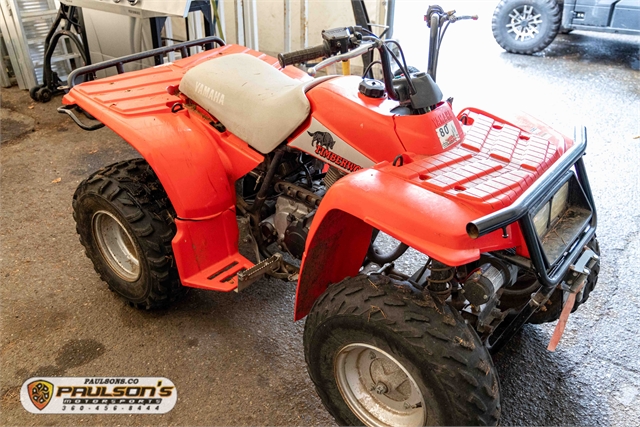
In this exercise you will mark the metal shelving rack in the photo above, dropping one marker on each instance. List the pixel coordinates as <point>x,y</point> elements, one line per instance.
<point>24,25</point>
<point>5,64</point>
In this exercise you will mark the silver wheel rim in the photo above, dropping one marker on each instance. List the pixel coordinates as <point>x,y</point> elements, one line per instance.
<point>377,388</point>
<point>116,245</point>
<point>525,23</point>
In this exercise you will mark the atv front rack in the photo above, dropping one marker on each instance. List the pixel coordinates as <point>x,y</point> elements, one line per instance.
<point>548,275</point>
<point>118,63</point>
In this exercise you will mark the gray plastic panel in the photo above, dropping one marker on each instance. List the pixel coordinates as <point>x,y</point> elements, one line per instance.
<point>593,12</point>
<point>626,15</point>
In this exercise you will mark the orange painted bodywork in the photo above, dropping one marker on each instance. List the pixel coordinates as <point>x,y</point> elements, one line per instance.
<point>425,201</point>
<point>365,123</point>
<point>196,164</point>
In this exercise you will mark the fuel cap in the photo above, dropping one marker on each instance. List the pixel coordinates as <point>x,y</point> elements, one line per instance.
<point>371,88</point>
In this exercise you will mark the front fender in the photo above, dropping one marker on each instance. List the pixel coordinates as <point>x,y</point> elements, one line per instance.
<point>426,221</point>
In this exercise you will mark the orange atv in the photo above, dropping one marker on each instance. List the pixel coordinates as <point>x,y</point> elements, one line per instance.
<point>313,169</point>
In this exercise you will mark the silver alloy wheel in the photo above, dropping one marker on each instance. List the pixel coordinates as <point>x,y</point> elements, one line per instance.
<point>525,23</point>
<point>377,388</point>
<point>116,245</point>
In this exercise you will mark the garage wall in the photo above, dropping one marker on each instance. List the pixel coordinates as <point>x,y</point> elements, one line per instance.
<point>322,15</point>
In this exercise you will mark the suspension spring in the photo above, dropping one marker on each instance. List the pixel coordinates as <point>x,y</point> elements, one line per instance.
<point>439,281</point>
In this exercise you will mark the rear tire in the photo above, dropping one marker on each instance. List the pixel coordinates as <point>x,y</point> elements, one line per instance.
<point>125,222</point>
<point>526,26</point>
<point>376,347</point>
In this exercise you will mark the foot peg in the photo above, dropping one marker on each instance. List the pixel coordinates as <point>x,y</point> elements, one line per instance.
<point>273,266</point>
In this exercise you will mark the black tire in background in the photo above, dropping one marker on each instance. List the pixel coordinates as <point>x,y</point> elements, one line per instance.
<point>125,222</point>
<point>526,26</point>
<point>384,320</point>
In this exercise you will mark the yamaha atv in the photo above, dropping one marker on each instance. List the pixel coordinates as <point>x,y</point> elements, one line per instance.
<point>313,170</point>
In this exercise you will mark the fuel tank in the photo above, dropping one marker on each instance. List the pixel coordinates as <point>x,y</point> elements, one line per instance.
<point>354,131</point>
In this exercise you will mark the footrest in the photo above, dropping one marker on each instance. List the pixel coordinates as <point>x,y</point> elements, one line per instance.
<point>222,276</point>
<point>270,265</point>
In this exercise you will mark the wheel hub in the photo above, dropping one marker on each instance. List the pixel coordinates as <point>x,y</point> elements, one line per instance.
<point>116,245</point>
<point>524,23</point>
<point>378,388</point>
<point>391,379</point>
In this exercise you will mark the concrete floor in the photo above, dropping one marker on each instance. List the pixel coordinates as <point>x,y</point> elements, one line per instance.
<point>237,359</point>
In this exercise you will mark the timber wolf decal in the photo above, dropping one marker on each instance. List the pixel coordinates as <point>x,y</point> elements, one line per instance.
<point>323,139</point>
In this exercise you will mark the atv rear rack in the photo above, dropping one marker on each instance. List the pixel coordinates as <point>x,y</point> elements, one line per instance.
<point>119,62</point>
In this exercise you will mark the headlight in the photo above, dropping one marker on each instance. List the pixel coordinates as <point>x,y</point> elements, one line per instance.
<point>559,202</point>
<point>561,218</point>
<point>541,220</point>
<point>551,211</point>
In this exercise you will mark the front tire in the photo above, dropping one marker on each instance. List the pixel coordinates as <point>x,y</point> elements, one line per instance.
<point>125,222</point>
<point>526,26</point>
<point>381,354</point>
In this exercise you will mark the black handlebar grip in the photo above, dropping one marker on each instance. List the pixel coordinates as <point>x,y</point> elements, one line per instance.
<point>303,55</point>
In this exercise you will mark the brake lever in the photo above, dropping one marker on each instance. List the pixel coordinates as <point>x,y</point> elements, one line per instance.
<point>361,50</point>
<point>461,18</point>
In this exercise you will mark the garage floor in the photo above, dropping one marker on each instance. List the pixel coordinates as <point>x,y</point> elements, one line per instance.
<point>236,359</point>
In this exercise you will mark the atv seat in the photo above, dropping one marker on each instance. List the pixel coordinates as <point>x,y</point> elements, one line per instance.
<point>255,101</point>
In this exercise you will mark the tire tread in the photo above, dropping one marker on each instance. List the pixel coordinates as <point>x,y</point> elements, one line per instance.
<point>431,328</point>
<point>134,189</point>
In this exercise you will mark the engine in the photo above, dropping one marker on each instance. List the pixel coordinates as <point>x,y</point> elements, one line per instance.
<point>299,183</point>
<point>293,212</point>
<point>289,225</point>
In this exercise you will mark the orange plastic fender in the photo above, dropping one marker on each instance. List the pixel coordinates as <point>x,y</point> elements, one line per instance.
<point>428,222</point>
<point>196,164</point>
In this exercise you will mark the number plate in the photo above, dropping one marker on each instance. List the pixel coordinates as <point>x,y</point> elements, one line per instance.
<point>447,134</point>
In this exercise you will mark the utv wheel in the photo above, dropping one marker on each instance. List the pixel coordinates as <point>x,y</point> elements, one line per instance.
<point>381,354</point>
<point>125,223</point>
<point>526,26</point>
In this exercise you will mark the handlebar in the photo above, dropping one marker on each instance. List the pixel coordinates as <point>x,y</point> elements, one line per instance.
<point>344,43</point>
<point>438,21</point>
<point>303,55</point>
<point>444,16</point>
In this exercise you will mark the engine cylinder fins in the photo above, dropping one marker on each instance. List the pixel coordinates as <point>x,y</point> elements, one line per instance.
<point>332,175</point>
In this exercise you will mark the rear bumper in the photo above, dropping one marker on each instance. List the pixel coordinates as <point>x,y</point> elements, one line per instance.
<point>549,274</point>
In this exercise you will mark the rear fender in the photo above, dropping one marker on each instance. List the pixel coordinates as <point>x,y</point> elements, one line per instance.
<point>341,230</point>
<point>197,166</point>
